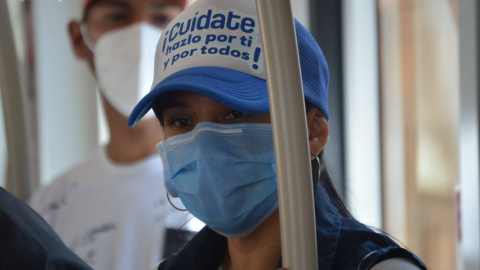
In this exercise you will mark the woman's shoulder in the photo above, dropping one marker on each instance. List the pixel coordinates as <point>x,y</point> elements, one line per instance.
<point>360,247</point>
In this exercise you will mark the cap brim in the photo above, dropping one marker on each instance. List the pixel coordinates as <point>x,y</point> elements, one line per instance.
<point>232,88</point>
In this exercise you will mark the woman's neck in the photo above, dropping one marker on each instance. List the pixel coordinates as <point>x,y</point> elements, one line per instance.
<point>259,251</point>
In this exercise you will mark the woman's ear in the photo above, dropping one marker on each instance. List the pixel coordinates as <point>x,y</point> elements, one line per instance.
<point>318,131</point>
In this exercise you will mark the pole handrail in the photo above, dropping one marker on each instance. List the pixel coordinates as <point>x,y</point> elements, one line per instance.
<point>292,156</point>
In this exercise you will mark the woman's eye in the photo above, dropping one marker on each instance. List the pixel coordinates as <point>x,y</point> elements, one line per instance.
<point>234,115</point>
<point>180,122</point>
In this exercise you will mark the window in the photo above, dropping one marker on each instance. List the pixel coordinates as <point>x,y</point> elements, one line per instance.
<point>419,89</point>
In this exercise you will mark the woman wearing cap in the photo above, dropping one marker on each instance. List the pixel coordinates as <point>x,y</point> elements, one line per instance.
<point>218,151</point>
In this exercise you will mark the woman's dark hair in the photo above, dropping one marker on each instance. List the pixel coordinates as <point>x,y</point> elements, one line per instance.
<point>325,179</point>
<point>327,184</point>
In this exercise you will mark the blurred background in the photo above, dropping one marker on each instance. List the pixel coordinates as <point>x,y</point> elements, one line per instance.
<point>404,112</point>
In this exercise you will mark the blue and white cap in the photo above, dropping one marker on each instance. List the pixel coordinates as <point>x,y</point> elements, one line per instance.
<point>214,48</point>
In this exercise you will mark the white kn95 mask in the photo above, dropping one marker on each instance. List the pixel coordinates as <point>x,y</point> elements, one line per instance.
<point>124,64</point>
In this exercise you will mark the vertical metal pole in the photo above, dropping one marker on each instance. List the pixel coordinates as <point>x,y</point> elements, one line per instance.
<point>21,170</point>
<point>362,131</point>
<point>292,156</point>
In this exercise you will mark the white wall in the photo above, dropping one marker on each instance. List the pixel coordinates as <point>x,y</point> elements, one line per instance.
<point>67,104</point>
<point>362,120</point>
<point>301,11</point>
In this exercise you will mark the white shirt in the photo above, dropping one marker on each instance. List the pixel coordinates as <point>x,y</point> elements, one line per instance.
<point>113,217</point>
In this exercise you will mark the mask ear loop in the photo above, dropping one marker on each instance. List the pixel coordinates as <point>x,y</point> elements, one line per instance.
<point>168,197</point>
<point>317,181</point>
<point>86,36</point>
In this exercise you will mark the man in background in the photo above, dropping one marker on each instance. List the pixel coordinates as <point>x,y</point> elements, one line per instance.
<point>111,209</point>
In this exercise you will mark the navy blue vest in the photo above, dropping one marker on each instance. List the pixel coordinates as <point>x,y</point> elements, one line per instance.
<point>343,243</point>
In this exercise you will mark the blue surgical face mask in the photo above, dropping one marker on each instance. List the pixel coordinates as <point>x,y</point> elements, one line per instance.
<point>224,175</point>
